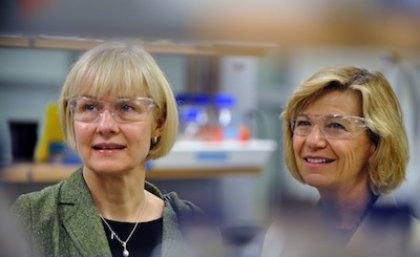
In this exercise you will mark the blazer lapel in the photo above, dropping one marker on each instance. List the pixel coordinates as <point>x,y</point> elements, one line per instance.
<point>80,218</point>
<point>173,243</point>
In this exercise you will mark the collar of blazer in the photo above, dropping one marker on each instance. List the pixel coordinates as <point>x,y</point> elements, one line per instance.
<point>84,226</point>
<point>80,217</point>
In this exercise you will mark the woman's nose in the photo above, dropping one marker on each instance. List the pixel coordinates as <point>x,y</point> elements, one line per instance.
<point>107,123</point>
<point>316,138</point>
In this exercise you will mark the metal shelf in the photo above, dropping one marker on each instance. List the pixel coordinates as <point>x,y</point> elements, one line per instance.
<point>187,160</point>
<point>156,47</point>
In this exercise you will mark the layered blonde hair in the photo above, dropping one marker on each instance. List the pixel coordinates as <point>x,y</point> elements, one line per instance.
<point>121,68</point>
<point>381,110</point>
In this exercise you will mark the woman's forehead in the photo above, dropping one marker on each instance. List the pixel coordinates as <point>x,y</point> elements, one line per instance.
<point>336,101</point>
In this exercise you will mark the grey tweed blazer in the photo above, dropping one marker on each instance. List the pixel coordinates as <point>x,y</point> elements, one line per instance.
<point>62,220</point>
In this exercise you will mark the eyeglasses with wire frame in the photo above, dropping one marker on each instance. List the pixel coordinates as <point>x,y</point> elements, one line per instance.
<point>123,110</point>
<point>334,126</point>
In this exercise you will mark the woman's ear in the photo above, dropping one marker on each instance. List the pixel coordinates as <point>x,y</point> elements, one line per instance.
<point>156,134</point>
<point>158,128</point>
<point>372,150</point>
<point>374,139</point>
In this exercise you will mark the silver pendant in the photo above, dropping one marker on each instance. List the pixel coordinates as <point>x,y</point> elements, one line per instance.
<point>126,253</point>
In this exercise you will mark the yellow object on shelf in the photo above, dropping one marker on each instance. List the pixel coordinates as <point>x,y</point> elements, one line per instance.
<point>51,133</point>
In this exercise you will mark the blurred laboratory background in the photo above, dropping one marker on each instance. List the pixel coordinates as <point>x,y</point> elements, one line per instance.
<point>232,65</point>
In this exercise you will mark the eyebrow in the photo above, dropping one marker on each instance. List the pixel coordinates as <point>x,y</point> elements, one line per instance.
<point>334,115</point>
<point>114,99</point>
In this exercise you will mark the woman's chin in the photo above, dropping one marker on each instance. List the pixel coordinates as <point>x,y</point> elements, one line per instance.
<point>317,180</point>
<point>108,168</point>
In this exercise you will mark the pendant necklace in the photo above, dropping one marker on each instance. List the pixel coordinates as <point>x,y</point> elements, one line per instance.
<point>125,252</point>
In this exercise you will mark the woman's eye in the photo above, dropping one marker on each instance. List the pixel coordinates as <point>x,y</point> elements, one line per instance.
<point>303,123</point>
<point>336,125</point>
<point>88,107</point>
<point>126,107</point>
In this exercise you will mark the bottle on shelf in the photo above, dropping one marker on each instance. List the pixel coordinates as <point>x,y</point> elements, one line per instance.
<point>203,118</point>
<point>229,123</point>
<point>187,116</point>
<point>194,116</point>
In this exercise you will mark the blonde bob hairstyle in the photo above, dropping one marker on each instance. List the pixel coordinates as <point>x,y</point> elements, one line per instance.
<point>381,110</point>
<point>122,68</point>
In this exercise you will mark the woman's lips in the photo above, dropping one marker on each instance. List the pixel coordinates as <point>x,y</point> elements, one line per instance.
<point>106,147</point>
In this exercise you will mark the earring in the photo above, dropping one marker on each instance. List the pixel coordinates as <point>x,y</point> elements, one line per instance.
<point>154,140</point>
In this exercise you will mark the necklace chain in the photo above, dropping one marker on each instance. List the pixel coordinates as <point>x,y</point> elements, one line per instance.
<point>126,253</point>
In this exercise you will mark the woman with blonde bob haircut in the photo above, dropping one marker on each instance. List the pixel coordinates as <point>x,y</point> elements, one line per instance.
<point>344,136</point>
<point>117,111</point>
<point>124,69</point>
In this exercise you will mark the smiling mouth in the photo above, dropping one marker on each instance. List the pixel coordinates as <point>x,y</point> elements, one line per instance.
<point>318,160</point>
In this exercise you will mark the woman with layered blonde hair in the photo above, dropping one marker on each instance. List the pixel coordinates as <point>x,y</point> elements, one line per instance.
<point>344,135</point>
<point>382,114</point>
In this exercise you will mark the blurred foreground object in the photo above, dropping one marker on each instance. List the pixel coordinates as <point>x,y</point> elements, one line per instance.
<point>301,230</point>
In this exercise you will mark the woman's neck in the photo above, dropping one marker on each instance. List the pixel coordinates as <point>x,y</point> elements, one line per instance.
<point>346,209</point>
<point>117,197</point>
